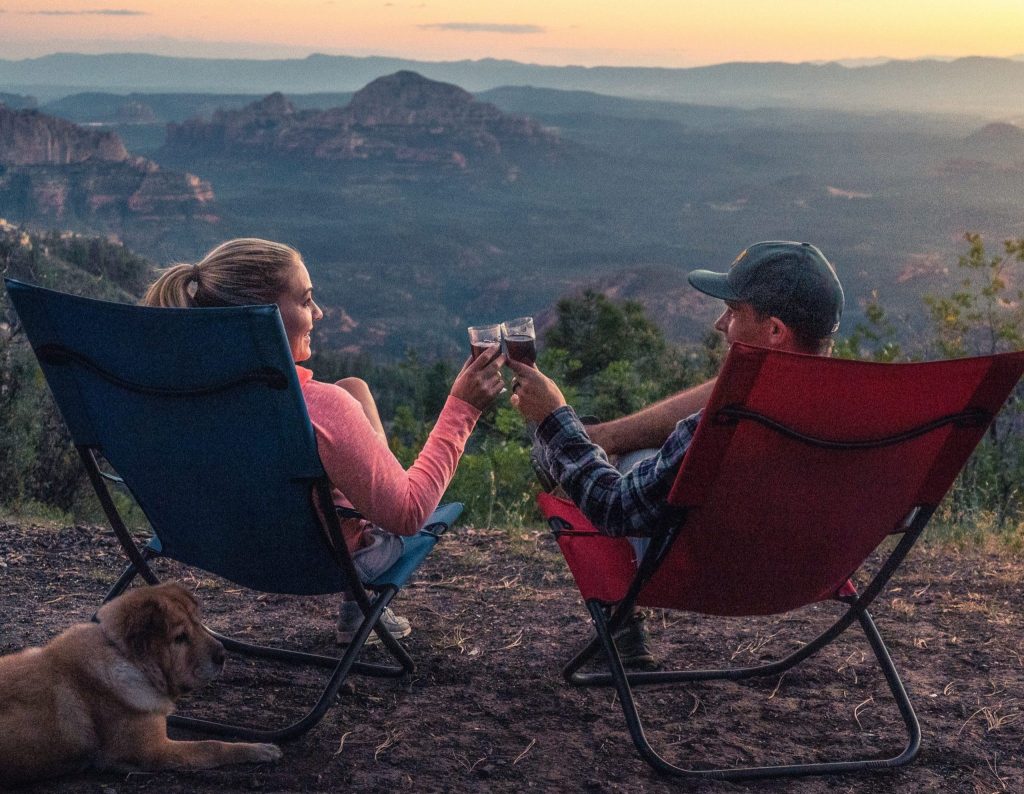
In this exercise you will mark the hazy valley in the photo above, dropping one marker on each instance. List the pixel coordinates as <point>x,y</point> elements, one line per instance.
<point>421,208</point>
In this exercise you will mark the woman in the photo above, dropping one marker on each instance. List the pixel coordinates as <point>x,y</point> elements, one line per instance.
<point>350,437</point>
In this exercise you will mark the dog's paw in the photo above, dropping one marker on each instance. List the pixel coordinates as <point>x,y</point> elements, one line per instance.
<point>264,752</point>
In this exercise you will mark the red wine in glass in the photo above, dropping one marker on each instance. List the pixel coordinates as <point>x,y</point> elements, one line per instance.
<point>522,348</point>
<point>484,339</point>
<point>487,346</point>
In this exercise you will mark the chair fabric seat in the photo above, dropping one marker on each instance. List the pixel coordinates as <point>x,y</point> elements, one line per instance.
<point>773,521</point>
<point>417,547</point>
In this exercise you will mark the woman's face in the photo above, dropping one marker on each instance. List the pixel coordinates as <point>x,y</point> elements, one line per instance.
<point>299,311</point>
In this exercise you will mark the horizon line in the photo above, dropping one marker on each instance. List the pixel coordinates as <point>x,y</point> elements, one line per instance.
<point>863,62</point>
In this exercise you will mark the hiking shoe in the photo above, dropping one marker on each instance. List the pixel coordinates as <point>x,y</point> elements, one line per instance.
<point>634,645</point>
<point>351,618</point>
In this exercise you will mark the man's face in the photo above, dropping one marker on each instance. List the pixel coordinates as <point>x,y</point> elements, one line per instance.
<point>741,323</point>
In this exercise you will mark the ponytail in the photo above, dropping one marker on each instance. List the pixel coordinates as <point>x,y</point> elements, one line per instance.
<point>238,272</point>
<point>172,288</point>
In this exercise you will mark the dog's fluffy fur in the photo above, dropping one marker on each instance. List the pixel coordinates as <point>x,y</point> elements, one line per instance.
<point>99,694</point>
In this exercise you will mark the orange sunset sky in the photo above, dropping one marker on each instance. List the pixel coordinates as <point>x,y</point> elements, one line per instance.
<point>586,32</point>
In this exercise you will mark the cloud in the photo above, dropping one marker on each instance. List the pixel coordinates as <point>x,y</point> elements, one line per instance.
<point>103,12</point>
<point>484,27</point>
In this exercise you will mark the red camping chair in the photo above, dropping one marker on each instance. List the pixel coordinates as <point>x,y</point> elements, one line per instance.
<point>801,466</point>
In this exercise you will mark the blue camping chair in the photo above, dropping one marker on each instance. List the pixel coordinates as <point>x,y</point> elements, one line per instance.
<point>169,399</point>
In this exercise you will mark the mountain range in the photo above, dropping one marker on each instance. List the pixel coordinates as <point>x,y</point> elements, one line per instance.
<point>993,87</point>
<point>421,209</point>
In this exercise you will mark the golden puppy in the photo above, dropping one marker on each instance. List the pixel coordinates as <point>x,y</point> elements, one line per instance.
<point>99,694</point>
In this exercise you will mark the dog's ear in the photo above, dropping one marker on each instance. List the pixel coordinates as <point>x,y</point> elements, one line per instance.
<point>144,625</point>
<point>179,592</point>
<point>134,622</point>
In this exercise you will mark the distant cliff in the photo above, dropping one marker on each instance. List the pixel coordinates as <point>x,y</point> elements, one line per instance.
<point>28,137</point>
<point>401,118</point>
<point>53,172</point>
<point>18,101</point>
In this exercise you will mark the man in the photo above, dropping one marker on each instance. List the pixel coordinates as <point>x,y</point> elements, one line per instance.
<point>779,295</point>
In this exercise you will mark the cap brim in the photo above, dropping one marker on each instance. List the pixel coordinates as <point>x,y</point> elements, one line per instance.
<point>714,284</point>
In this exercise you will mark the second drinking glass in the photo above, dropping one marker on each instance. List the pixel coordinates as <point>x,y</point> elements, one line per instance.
<point>520,340</point>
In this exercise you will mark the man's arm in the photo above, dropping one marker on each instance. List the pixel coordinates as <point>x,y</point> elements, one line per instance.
<point>618,504</point>
<point>649,427</point>
<point>631,504</point>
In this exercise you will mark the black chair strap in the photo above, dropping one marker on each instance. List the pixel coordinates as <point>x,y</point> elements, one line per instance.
<point>60,355</point>
<point>972,417</point>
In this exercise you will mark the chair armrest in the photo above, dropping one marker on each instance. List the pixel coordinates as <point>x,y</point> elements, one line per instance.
<point>436,529</point>
<point>559,527</point>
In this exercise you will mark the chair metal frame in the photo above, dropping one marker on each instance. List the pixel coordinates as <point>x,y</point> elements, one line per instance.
<point>608,619</point>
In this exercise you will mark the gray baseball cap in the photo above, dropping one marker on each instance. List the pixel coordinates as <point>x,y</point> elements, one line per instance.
<point>791,281</point>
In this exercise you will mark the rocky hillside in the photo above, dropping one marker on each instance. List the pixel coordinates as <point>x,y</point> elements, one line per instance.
<point>84,265</point>
<point>55,173</point>
<point>401,118</point>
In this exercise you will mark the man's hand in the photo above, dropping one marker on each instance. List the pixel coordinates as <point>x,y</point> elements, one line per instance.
<point>534,394</point>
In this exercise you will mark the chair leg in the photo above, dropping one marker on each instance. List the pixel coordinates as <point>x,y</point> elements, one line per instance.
<point>573,676</point>
<point>341,668</point>
<point>621,681</point>
<point>405,663</point>
<point>128,576</point>
<point>899,692</point>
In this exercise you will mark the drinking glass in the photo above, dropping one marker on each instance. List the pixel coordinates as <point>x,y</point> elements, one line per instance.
<point>484,339</point>
<point>520,340</point>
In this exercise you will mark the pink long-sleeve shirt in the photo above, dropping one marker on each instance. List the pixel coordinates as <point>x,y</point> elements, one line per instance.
<point>364,472</point>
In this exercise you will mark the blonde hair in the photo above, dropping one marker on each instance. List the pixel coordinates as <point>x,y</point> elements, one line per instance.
<point>238,272</point>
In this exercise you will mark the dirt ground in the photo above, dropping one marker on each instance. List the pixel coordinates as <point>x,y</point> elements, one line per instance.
<point>495,619</point>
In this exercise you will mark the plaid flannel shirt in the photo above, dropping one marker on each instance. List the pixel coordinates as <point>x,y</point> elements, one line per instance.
<point>632,504</point>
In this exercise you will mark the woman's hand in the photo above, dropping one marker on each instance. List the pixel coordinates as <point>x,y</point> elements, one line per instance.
<point>534,394</point>
<point>480,381</point>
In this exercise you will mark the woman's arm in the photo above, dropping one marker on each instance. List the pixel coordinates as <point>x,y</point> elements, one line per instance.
<point>360,464</point>
<point>359,389</point>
